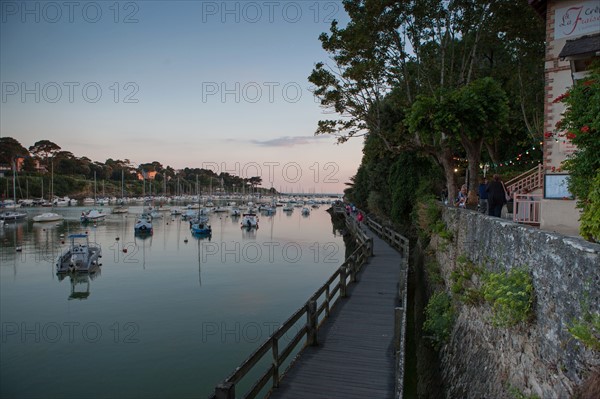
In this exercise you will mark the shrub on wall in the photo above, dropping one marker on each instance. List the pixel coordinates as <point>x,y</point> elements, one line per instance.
<point>439,315</point>
<point>590,218</point>
<point>510,295</point>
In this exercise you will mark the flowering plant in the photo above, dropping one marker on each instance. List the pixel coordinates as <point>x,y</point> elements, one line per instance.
<point>581,121</point>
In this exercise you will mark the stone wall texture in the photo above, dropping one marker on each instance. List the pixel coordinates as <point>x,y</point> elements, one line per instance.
<point>539,358</point>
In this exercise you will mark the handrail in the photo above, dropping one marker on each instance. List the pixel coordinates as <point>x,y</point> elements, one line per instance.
<point>401,244</point>
<point>339,280</point>
<point>531,171</point>
<point>529,180</point>
<point>527,208</point>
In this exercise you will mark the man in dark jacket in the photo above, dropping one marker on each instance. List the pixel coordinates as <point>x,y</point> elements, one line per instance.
<point>483,196</point>
<point>496,196</point>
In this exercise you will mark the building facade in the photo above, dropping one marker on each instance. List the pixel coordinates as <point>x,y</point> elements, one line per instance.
<point>572,44</point>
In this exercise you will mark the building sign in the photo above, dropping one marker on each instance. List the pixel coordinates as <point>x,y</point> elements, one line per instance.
<point>557,187</point>
<point>577,20</point>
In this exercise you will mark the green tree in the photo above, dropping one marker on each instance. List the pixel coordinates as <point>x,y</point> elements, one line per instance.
<point>428,48</point>
<point>9,149</point>
<point>43,150</point>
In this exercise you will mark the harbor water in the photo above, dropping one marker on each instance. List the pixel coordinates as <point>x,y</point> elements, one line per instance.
<point>167,315</point>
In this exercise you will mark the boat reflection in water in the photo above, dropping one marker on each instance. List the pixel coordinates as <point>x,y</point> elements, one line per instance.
<point>248,233</point>
<point>80,283</point>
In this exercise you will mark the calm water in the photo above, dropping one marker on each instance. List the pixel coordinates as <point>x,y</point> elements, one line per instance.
<point>168,318</point>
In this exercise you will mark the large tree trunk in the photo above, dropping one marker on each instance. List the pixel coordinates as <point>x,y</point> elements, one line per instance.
<point>446,159</point>
<point>493,151</point>
<point>473,150</point>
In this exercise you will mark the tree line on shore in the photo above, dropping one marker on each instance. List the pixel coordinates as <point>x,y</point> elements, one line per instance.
<point>74,176</point>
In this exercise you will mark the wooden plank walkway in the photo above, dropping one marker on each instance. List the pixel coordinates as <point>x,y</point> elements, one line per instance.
<point>355,356</point>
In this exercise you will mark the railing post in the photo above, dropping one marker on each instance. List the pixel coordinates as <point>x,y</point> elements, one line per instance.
<point>343,286</point>
<point>353,267</point>
<point>225,390</point>
<point>327,301</point>
<point>401,286</point>
<point>275,362</point>
<point>398,311</point>
<point>311,323</point>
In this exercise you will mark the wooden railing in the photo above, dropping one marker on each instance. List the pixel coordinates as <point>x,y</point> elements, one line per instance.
<point>337,283</point>
<point>393,238</point>
<point>526,208</point>
<point>530,180</point>
<point>401,244</point>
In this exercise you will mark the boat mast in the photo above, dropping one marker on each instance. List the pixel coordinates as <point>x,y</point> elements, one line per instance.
<point>94,188</point>
<point>51,181</point>
<point>14,184</point>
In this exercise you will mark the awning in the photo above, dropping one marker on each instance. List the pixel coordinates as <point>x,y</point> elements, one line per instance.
<point>581,46</point>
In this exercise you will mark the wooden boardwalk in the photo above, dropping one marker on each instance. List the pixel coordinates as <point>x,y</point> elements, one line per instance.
<point>355,356</point>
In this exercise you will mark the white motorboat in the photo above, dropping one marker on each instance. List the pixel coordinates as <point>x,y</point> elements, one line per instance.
<point>288,207</point>
<point>305,211</point>
<point>81,256</point>
<point>236,212</point>
<point>120,209</point>
<point>249,220</point>
<point>48,217</point>
<point>93,215</point>
<point>11,216</point>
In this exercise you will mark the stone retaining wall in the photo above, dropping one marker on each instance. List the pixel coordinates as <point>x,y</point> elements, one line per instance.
<point>540,358</point>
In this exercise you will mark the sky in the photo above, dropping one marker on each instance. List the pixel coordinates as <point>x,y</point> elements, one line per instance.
<point>215,84</point>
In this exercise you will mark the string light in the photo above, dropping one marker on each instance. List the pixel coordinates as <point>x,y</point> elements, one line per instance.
<point>519,159</point>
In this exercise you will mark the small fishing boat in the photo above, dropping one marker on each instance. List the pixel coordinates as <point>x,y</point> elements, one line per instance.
<point>235,212</point>
<point>143,226</point>
<point>305,211</point>
<point>81,256</point>
<point>201,228</point>
<point>120,209</point>
<point>93,215</point>
<point>48,217</point>
<point>288,207</point>
<point>249,220</point>
<point>11,216</point>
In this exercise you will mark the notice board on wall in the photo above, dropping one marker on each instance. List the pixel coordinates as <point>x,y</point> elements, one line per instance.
<point>556,187</point>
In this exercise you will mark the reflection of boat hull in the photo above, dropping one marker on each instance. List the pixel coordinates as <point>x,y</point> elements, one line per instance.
<point>80,257</point>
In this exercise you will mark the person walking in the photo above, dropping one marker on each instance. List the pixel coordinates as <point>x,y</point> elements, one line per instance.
<point>483,196</point>
<point>496,196</point>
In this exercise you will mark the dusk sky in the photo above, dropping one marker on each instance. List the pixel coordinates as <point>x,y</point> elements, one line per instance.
<point>188,83</point>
